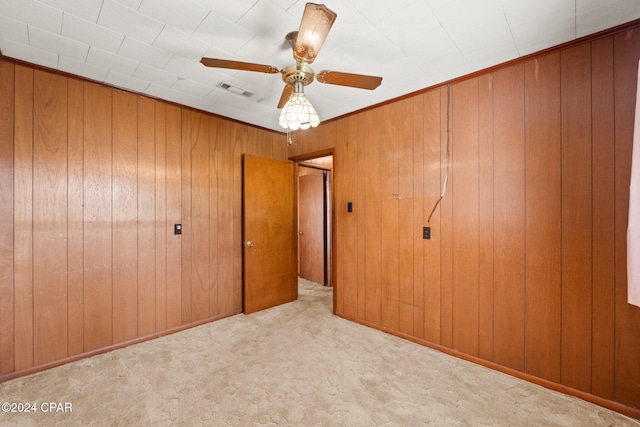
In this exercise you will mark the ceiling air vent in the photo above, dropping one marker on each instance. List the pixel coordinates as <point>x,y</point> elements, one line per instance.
<point>234,89</point>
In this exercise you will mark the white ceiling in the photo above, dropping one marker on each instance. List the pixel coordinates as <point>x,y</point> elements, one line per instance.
<point>154,46</point>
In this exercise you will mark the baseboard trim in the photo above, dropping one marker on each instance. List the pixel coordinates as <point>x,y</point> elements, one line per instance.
<point>597,400</point>
<point>74,358</point>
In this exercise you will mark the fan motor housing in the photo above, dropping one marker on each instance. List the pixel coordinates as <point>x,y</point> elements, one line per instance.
<point>300,73</point>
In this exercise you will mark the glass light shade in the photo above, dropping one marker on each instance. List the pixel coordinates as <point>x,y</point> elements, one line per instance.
<point>316,23</point>
<point>298,113</point>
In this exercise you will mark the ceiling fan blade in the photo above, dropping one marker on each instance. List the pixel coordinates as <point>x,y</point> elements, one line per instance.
<point>286,93</point>
<point>314,27</point>
<point>345,79</point>
<point>237,65</point>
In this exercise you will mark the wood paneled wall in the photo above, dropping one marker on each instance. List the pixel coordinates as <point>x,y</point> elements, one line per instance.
<point>92,181</point>
<point>526,266</point>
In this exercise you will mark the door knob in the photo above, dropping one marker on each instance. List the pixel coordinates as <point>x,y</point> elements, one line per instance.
<point>249,243</point>
<point>299,233</point>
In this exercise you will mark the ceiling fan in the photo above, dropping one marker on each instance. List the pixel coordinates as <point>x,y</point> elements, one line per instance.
<point>306,42</point>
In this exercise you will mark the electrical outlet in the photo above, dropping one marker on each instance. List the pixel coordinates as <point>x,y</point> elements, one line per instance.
<point>426,233</point>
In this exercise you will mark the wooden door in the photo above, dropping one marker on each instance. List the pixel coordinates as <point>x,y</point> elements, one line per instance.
<point>311,230</point>
<point>269,245</point>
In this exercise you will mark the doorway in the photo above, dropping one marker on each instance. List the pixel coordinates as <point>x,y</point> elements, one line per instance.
<point>314,191</point>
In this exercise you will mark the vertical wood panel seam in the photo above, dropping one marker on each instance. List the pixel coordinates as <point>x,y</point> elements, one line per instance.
<point>452,193</point>
<point>615,217</point>
<point>413,216</point>
<point>359,183</point>
<point>493,224</point>
<point>84,172</point>
<point>417,306</point>
<point>166,218</point>
<point>524,208</point>
<point>422,283</point>
<point>440,211</point>
<point>590,70</point>
<point>82,215</point>
<point>397,220</point>
<point>137,121</point>
<point>591,330</point>
<point>364,220</point>
<point>67,218</point>
<point>33,312</point>
<point>68,202</point>
<point>450,177</point>
<point>561,211</point>
<point>479,215</point>
<point>155,214</point>
<point>380,285</point>
<point>13,201</point>
<point>217,213</point>
<point>209,216</point>
<point>111,96</point>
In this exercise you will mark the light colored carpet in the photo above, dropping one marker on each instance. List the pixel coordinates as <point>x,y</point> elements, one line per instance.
<point>295,364</point>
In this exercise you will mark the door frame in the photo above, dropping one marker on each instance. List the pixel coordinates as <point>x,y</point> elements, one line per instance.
<point>310,156</point>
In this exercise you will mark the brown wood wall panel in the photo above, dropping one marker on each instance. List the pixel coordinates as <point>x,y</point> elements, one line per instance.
<point>526,266</point>
<point>7,269</point>
<point>214,253</point>
<point>279,145</point>
<point>373,219</point>
<point>173,193</point>
<point>347,222</point>
<point>359,210</point>
<point>187,213</point>
<point>124,203</point>
<point>433,165</point>
<point>419,219</point>
<point>252,142</point>
<point>627,316</point>
<point>444,214</point>
<point>23,218</point>
<point>75,209</point>
<point>389,215</point>
<point>576,190</point>
<point>160,223</point>
<point>102,176</point>
<point>603,173</point>
<point>485,217</point>
<point>405,217</point>
<point>543,212</point>
<point>98,241</point>
<point>464,196</point>
<point>200,231</point>
<point>509,216</point>
<point>240,141</point>
<point>146,215</point>
<point>49,218</point>
<point>225,168</point>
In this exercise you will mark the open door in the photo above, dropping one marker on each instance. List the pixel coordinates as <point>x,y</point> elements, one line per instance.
<point>311,225</point>
<point>269,237</point>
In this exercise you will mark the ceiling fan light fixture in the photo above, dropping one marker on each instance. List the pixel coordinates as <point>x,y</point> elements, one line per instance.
<point>316,23</point>
<point>298,113</point>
